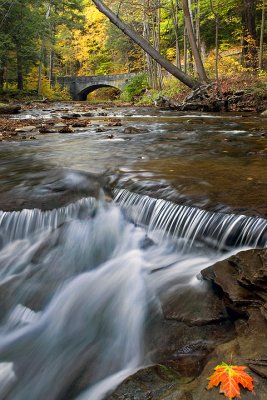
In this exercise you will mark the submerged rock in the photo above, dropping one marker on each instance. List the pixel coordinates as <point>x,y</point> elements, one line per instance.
<point>55,189</point>
<point>133,130</point>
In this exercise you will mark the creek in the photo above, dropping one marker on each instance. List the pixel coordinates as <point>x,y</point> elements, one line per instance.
<point>95,230</point>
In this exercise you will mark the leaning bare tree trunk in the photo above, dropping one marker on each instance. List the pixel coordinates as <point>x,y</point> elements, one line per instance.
<point>140,41</point>
<point>192,40</point>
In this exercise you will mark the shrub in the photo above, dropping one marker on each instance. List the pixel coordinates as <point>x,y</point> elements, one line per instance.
<point>135,87</point>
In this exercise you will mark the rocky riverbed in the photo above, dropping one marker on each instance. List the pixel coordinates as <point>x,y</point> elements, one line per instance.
<point>37,122</point>
<point>12,128</point>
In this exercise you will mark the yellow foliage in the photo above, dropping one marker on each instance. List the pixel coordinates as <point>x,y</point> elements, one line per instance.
<point>227,66</point>
<point>171,53</point>
<point>171,86</point>
<point>51,93</point>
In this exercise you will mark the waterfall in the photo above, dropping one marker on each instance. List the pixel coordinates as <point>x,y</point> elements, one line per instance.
<point>19,224</point>
<point>219,230</point>
<point>78,284</point>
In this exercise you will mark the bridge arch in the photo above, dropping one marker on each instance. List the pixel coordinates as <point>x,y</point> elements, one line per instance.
<point>80,86</point>
<point>82,96</point>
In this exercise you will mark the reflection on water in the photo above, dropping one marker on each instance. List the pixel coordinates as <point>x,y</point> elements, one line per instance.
<point>200,159</point>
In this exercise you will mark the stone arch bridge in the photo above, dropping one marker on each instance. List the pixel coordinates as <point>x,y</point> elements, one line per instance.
<point>80,86</point>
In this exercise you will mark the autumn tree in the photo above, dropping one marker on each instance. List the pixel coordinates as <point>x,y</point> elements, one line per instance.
<point>145,45</point>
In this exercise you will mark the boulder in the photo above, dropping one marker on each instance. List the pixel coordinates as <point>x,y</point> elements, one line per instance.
<point>60,125</point>
<point>9,109</point>
<point>81,124</point>
<point>26,129</point>
<point>66,129</point>
<point>70,116</point>
<point>46,129</point>
<point>264,114</point>
<point>242,279</point>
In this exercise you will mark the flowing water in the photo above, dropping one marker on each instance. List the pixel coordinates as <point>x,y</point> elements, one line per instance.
<point>82,273</point>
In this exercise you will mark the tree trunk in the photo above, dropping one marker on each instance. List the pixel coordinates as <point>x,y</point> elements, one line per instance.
<point>40,69</point>
<point>197,25</point>
<point>216,40</point>
<point>51,64</point>
<point>185,49</point>
<point>140,41</point>
<point>150,33</point>
<point>174,15</point>
<point>249,49</point>
<point>262,34</point>
<point>156,43</point>
<point>19,68</point>
<point>1,79</point>
<point>192,40</point>
<point>42,51</point>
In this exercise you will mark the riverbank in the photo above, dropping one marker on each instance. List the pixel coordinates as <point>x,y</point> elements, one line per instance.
<point>209,99</point>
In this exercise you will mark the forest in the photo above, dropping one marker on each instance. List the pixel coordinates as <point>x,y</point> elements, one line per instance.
<point>197,41</point>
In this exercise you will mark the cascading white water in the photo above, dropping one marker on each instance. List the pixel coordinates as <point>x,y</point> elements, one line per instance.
<point>220,230</point>
<point>77,284</point>
<point>19,224</point>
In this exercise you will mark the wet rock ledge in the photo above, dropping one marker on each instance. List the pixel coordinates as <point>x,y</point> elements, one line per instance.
<point>225,322</point>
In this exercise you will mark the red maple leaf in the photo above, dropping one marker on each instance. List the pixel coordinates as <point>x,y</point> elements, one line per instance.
<point>230,376</point>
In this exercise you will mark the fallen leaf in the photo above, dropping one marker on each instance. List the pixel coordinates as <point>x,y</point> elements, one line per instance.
<point>230,376</point>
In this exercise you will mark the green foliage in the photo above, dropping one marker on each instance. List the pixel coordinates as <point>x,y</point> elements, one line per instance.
<point>135,87</point>
<point>172,88</point>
